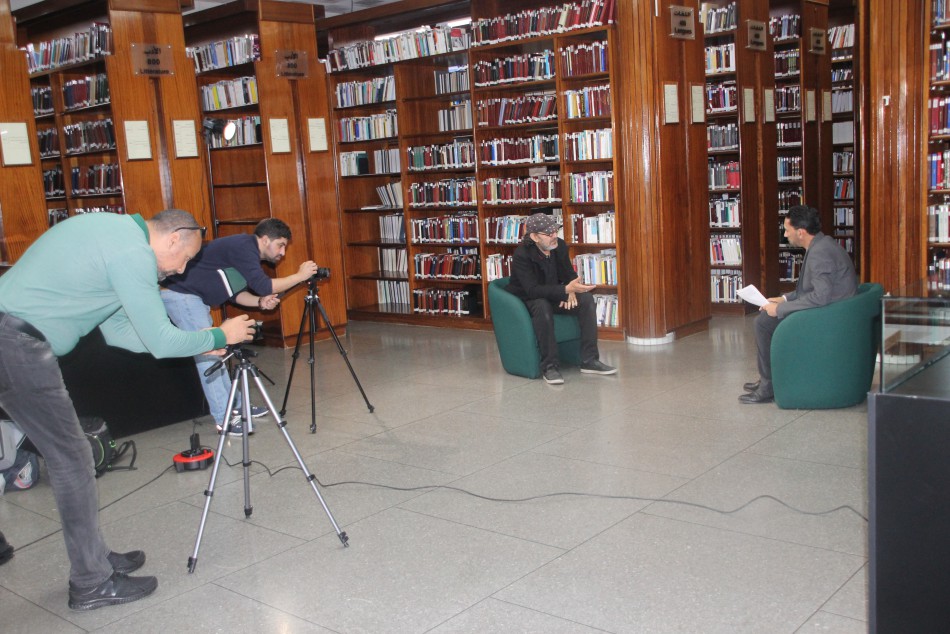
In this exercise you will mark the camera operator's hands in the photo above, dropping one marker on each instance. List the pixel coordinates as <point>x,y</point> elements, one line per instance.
<point>268,302</point>
<point>306,270</point>
<point>238,329</point>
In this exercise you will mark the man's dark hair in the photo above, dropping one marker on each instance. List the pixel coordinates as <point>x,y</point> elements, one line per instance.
<point>172,219</point>
<point>805,217</point>
<point>273,228</point>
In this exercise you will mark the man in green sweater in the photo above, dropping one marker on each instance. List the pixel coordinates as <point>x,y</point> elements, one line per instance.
<point>95,270</point>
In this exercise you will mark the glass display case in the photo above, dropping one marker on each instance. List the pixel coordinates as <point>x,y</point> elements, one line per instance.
<point>915,335</point>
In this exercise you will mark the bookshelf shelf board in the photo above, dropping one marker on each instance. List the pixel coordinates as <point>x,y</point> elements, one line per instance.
<point>63,197</point>
<point>730,113</point>
<point>788,113</point>
<point>723,189</point>
<point>450,208</point>
<point>238,221</point>
<point>939,85</point>
<point>846,173</point>
<point>377,243</point>
<point>842,60</point>
<point>519,86</point>
<point>838,201</point>
<point>446,243</point>
<point>789,146</point>
<point>66,67</point>
<point>372,175</point>
<point>438,136</point>
<point>236,147</point>
<point>589,162</point>
<point>240,184</point>
<point>785,77</point>
<point>939,192</point>
<point>42,117</point>
<point>113,194</point>
<point>246,68</point>
<point>590,205</point>
<point>248,107</point>
<point>940,137</point>
<point>396,276</point>
<point>723,150</point>
<point>722,33</point>
<point>385,140</point>
<point>512,205</point>
<point>844,115</point>
<point>518,42</point>
<point>785,42</point>
<point>464,169</point>
<point>938,245</point>
<point>467,281</point>
<point>90,108</point>
<point>367,106</point>
<point>723,265</point>
<point>943,26</point>
<point>587,121</point>
<point>455,94</point>
<point>107,150</point>
<point>720,74</point>
<point>726,228</point>
<point>51,157</point>
<point>789,181</point>
<point>585,77</point>
<point>546,124</point>
<point>510,166</point>
<point>843,143</point>
<point>594,245</point>
<point>844,83</point>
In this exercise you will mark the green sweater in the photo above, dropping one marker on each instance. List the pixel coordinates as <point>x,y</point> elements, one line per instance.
<point>98,270</point>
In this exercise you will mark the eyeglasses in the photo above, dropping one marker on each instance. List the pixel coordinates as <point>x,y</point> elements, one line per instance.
<point>201,229</point>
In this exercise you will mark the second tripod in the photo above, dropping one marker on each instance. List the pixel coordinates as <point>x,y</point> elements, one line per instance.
<point>309,318</point>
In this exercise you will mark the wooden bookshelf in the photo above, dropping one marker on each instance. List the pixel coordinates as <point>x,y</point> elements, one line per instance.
<point>935,223</point>
<point>108,120</point>
<point>278,101</point>
<point>845,95</point>
<point>22,207</point>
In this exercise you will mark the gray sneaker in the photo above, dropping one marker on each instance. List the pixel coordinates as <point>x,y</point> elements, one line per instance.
<point>597,367</point>
<point>552,376</point>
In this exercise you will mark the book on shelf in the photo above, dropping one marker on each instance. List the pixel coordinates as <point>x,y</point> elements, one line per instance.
<point>392,228</point>
<point>541,189</point>
<point>514,69</point>
<point>369,91</point>
<point>454,264</point>
<point>539,148</point>
<point>716,19</point>
<point>390,194</point>
<point>229,93</point>
<point>83,46</point>
<point>234,51</point>
<point>585,59</point>
<point>589,145</point>
<point>724,212</point>
<point>92,90</point>
<point>542,21</point>
<point>391,293</point>
<point>422,42</point>
<point>376,126</point>
<point>444,301</point>
<point>589,101</point>
<point>842,132</point>
<point>458,154</point>
<point>606,308</point>
<point>449,192</point>
<point>597,268</point>
<point>596,229</point>
<point>528,108</point>
<point>461,227</point>
<point>393,261</point>
<point>785,27</point>
<point>725,249</point>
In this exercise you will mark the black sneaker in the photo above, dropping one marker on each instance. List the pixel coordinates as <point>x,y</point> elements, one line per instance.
<point>118,588</point>
<point>6,549</point>
<point>552,376</point>
<point>597,367</point>
<point>127,562</point>
<point>236,428</point>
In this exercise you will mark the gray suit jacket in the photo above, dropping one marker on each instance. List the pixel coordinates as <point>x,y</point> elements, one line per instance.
<point>827,277</point>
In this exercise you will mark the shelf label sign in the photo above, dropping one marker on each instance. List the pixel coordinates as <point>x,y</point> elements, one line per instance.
<point>682,23</point>
<point>153,59</point>
<point>756,31</point>
<point>817,39</point>
<point>292,64</point>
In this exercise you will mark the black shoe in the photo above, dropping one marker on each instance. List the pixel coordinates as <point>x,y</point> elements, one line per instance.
<point>751,387</point>
<point>6,550</point>
<point>552,376</point>
<point>127,562</point>
<point>118,588</point>
<point>597,367</point>
<point>756,397</point>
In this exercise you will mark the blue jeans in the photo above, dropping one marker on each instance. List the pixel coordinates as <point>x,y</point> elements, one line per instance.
<point>189,313</point>
<point>33,394</point>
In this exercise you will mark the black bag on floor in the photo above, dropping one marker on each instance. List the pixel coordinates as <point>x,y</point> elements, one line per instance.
<point>105,451</point>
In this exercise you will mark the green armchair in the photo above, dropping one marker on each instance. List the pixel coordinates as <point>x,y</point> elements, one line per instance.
<point>823,358</point>
<point>514,333</point>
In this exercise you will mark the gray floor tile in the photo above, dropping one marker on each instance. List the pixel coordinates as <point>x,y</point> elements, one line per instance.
<point>652,574</point>
<point>497,617</point>
<point>852,599</point>
<point>21,526</point>
<point>30,618</point>
<point>835,438</point>
<point>827,622</point>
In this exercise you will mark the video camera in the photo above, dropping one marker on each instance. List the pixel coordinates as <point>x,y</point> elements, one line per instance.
<point>323,273</point>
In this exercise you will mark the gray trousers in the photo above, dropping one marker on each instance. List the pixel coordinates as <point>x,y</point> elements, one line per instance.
<point>33,394</point>
<point>542,318</point>
<point>764,329</point>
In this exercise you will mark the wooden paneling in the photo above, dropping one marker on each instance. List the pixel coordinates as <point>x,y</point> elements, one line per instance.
<point>894,166</point>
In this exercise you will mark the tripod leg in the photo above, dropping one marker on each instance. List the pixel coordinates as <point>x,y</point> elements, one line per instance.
<point>245,440</point>
<point>209,492</point>
<point>339,346</point>
<point>296,353</point>
<point>311,479</point>
<point>313,378</point>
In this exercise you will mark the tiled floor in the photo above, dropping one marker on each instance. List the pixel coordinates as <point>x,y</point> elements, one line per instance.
<point>608,557</point>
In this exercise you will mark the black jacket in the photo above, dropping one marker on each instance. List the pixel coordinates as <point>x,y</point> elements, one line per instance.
<point>527,272</point>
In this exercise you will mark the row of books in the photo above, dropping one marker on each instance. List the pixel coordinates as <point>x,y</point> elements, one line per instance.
<point>248,132</point>
<point>42,100</point>
<point>359,93</point>
<point>938,223</point>
<point>785,27</point>
<point>842,100</point>
<point>231,52</point>
<point>104,178</point>
<point>721,97</point>
<point>938,170</point>
<point>390,194</point>
<point>386,161</point>
<point>938,274</point>
<point>451,80</point>
<point>103,209</point>
<point>599,229</point>
<point>842,161</point>
<point>939,110</point>
<point>530,108</point>
<point>450,192</point>
<point>841,36</point>
<point>724,212</point>
<point>940,61</point>
<point>539,148</point>
<point>92,90</point>
<point>54,185</point>
<point>723,175</point>
<point>591,187</point>
<point>788,198</point>
<point>790,265</point>
<point>458,154</point>
<point>607,310</point>
<point>844,189</point>
<point>504,229</point>
<point>585,59</point>
<point>514,69</point>
<point>717,19</point>
<point>540,189</point>
<point>721,58</point>
<point>940,12</point>
<point>448,228</point>
<point>788,98</point>
<point>354,163</point>
<point>393,261</point>
<point>48,140</point>
<point>83,46</point>
<point>589,145</point>
<point>377,126</point>
<point>392,228</point>
<point>724,285</point>
<point>842,73</point>
<point>392,294</point>
<point>444,301</point>
<point>725,249</point>
<point>497,266</point>
<point>597,268</point>
<point>789,168</point>
<point>542,21</point>
<point>722,136</point>
<point>590,101</point>
<point>787,63</point>
<point>448,266</point>
<point>229,93</point>
<point>788,132</point>
<point>89,136</point>
<point>57,215</point>
<point>422,42</point>
<point>844,217</point>
<point>458,116</point>
<point>842,132</point>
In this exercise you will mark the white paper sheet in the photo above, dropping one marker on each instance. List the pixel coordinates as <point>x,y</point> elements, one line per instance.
<point>752,295</point>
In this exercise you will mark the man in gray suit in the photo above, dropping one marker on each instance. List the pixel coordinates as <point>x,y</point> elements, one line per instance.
<point>827,276</point>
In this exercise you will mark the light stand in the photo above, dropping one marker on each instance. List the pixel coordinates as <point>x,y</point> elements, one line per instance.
<point>309,317</point>
<point>242,370</point>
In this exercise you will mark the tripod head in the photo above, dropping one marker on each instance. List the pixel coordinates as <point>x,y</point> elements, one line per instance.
<point>236,351</point>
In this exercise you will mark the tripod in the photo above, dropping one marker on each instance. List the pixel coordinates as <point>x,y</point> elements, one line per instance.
<point>313,299</point>
<point>244,368</point>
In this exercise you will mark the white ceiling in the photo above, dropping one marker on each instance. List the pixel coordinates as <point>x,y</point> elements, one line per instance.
<point>332,7</point>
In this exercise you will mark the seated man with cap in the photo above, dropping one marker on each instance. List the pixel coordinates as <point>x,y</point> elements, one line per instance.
<point>543,277</point>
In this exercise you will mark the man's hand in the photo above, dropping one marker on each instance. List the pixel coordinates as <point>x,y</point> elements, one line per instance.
<point>238,329</point>
<point>576,286</point>
<point>570,302</point>
<point>268,302</point>
<point>771,309</point>
<point>306,270</point>
<point>777,300</point>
